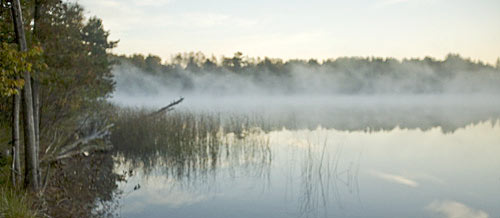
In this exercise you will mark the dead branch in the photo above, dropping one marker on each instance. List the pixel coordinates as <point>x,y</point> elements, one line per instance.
<point>83,144</point>
<point>85,140</point>
<point>88,148</point>
<point>167,108</point>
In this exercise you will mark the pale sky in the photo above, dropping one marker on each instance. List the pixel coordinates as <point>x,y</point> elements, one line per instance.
<point>304,29</point>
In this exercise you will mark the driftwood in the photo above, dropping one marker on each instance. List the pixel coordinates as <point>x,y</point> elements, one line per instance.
<point>92,135</point>
<point>78,146</point>
<point>167,108</point>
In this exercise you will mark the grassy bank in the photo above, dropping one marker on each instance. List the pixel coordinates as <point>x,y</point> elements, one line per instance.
<point>13,202</point>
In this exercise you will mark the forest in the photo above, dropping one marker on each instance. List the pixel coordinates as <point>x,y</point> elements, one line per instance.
<point>193,73</point>
<point>55,75</point>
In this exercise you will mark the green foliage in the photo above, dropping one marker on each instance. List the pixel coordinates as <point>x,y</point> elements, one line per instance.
<point>78,73</point>
<point>69,63</point>
<point>73,72</point>
<point>13,63</point>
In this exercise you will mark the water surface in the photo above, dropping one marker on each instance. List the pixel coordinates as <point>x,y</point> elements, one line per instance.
<point>367,157</point>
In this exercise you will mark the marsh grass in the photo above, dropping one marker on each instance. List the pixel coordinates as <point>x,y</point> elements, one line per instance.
<point>186,143</point>
<point>177,135</point>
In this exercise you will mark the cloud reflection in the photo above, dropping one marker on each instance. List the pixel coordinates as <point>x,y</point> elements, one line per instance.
<point>453,209</point>
<point>396,179</point>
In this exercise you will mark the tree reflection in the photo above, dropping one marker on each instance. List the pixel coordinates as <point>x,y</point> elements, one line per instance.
<point>85,187</point>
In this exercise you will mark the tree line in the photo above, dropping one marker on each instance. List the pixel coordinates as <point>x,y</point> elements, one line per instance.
<point>344,75</point>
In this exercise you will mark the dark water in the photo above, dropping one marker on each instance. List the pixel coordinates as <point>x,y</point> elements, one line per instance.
<point>365,157</point>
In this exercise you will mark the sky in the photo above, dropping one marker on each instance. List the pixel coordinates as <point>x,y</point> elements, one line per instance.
<point>291,29</point>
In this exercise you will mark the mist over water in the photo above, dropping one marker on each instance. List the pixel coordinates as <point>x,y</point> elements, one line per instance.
<point>340,77</point>
<point>309,97</point>
<point>310,141</point>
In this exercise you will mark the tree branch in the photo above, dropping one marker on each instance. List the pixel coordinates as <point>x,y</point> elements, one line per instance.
<point>167,108</point>
<point>69,150</point>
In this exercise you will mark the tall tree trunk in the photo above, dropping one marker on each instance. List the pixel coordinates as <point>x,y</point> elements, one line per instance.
<point>31,170</point>
<point>36,90</point>
<point>36,122</point>
<point>16,160</point>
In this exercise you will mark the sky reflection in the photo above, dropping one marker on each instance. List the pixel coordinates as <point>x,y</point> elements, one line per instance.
<point>327,172</point>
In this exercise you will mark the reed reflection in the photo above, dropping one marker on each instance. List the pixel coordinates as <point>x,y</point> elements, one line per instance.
<point>189,147</point>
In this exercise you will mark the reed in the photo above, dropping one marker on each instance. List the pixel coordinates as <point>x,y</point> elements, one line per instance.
<point>185,142</point>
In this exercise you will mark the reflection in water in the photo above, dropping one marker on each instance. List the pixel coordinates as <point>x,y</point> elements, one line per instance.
<point>191,165</point>
<point>396,178</point>
<point>453,209</point>
<point>85,187</point>
<point>185,143</point>
<point>168,169</point>
<point>323,178</point>
<point>170,184</point>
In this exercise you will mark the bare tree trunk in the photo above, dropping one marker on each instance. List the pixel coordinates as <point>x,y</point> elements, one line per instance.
<point>36,122</point>
<point>16,160</point>
<point>31,171</point>
<point>36,92</point>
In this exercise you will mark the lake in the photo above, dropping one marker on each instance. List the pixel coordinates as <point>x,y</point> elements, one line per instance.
<point>340,156</point>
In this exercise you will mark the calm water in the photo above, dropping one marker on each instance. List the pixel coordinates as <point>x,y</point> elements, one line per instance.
<point>426,157</point>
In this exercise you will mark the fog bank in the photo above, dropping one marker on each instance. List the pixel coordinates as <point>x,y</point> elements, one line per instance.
<point>337,77</point>
<point>407,95</point>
